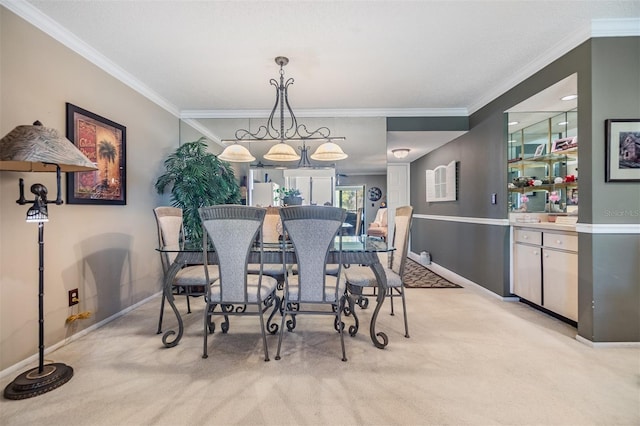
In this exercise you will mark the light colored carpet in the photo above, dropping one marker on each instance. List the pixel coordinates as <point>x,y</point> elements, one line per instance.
<point>472,359</point>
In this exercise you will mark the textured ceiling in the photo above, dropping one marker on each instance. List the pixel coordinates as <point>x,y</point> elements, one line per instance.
<point>348,58</point>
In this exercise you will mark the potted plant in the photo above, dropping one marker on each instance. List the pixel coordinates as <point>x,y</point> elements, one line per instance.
<point>197,178</point>
<point>289,196</point>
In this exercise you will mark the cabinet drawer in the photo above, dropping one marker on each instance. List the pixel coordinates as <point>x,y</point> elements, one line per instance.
<point>561,241</point>
<point>529,237</point>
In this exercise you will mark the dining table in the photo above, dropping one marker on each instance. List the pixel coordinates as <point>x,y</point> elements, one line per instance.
<point>356,250</point>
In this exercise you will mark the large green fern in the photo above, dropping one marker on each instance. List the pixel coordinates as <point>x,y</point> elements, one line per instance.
<point>197,178</point>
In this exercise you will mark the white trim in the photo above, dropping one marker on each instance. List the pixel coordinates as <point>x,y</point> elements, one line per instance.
<point>624,27</point>
<point>41,21</point>
<point>457,279</point>
<point>607,345</point>
<point>324,113</point>
<point>598,28</point>
<point>204,130</point>
<point>464,219</point>
<point>24,364</point>
<point>608,228</point>
<point>585,228</point>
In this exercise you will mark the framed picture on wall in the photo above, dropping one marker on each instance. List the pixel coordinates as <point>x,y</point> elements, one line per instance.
<point>564,144</point>
<point>540,150</point>
<point>622,155</point>
<point>104,143</point>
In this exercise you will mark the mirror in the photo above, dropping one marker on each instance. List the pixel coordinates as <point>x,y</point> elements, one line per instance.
<point>542,151</point>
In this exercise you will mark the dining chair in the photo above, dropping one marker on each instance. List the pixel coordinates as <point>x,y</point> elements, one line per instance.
<point>235,234</point>
<point>312,231</point>
<point>358,230</point>
<point>271,233</point>
<point>360,277</point>
<point>378,228</point>
<point>190,280</point>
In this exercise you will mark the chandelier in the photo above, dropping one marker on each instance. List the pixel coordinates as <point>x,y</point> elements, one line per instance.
<point>276,131</point>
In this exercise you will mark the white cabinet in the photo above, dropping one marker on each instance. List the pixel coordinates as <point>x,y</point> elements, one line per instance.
<point>316,185</point>
<point>546,270</point>
<point>264,194</point>
<point>560,282</point>
<point>527,282</point>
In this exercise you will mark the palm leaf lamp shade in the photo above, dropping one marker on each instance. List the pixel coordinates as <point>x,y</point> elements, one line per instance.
<point>40,149</point>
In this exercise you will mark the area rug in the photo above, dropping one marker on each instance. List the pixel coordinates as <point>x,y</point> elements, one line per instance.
<point>417,276</point>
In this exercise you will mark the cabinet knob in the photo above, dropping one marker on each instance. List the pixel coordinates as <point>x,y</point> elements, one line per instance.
<point>525,237</point>
<point>559,242</point>
<point>535,252</point>
<point>546,255</point>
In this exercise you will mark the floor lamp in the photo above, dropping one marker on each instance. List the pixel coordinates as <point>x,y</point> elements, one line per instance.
<point>39,149</point>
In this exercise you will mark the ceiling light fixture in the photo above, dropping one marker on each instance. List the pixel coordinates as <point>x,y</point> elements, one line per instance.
<point>400,153</point>
<point>513,123</point>
<point>568,97</point>
<point>273,131</point>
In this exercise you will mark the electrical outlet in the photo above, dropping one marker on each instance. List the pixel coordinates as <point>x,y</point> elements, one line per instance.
<point>73,297</point>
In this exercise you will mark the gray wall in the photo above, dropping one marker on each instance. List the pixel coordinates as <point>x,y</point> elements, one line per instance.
<point>609,275</point>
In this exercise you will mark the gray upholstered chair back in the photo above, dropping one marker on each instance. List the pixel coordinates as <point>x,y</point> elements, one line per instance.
<point>402,223</point>
<point>233,231</point>
<point>312,230</point>
<point>169,224</point>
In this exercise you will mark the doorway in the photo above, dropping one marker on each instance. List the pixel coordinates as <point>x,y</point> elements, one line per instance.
<point>351,198</point>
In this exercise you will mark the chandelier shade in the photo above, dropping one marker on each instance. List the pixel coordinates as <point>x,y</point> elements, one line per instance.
<point>236,154</point>
<point>275,130</point>
<point>282,152</point>
<point>329,151</point>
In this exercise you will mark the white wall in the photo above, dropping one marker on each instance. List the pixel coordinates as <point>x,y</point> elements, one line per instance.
<point>105,251</point>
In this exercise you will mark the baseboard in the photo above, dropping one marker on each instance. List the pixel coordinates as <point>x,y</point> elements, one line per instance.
<point>457,279</point>
<point>607,344</point>
<point>24,364</point>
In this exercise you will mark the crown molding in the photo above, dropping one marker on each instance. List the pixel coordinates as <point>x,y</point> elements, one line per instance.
<point>41,21</point>
<point>205,131</point>
<point>323,113</point>
<point>624,27</point>
<point>597,28</point>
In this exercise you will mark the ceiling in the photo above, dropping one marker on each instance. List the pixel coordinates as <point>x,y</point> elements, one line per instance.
<point>214,59</point>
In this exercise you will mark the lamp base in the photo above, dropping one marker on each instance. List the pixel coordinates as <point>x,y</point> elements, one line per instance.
<point>33,383</point>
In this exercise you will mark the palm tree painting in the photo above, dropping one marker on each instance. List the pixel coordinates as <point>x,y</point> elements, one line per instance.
<point>107,152</point>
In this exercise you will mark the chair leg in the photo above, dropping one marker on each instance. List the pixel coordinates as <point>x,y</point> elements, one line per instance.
<point>161,314</point>
<point>341,326</point>
<point>206,330</point>
<point>187,290</point>
<point>284,314</point>
<point>404,310</point>
<point>264,335</point>
<point>391,300</point>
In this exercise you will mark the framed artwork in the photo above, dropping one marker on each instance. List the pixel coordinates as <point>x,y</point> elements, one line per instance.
<point>540,150</point>
<point>622,155</point>
<point>564,144</point>
<point>104,143</point>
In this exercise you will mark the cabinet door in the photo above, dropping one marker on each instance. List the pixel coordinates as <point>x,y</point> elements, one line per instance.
<point>560,278</point>
<point>527,282</point>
